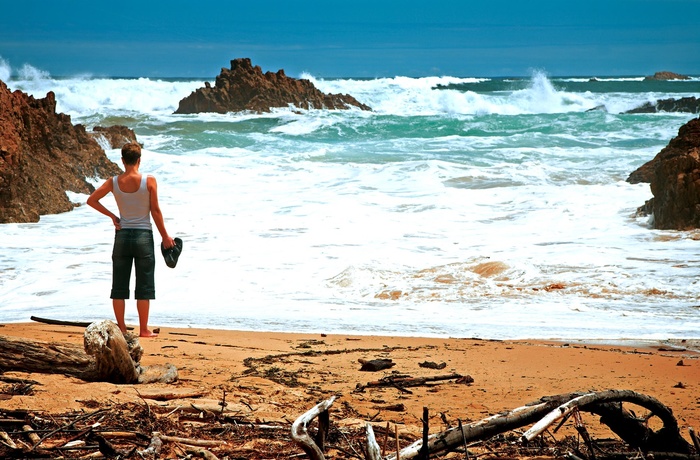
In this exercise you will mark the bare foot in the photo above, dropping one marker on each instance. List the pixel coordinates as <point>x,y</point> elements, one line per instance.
<point>148,334</point>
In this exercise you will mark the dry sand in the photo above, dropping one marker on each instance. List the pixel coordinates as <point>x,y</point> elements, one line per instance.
<point>300,370</point>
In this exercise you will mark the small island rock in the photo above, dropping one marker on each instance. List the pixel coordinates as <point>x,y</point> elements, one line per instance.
<point>666,75</point>
<point>246,88</point>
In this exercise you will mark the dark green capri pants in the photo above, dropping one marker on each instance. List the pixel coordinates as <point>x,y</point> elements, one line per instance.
<point>133,247</point>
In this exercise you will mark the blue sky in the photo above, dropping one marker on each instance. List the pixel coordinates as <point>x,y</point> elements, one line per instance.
<point>353,38</point>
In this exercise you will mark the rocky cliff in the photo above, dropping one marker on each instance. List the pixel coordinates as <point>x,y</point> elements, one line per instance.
<point>246,88</point>
<point>674,177</point>
<point>42,154</point>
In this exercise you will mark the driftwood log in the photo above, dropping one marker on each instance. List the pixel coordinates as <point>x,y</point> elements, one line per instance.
<point>108,356</point>
<point>608,404</point>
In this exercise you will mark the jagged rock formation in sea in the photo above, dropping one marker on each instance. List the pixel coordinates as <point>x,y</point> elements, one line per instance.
<point>684,104</point>
<point>246,88</point>
<point>674,177</point>
<point>42,154</point>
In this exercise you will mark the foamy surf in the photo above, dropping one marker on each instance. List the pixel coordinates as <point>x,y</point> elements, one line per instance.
<point>457,207</point>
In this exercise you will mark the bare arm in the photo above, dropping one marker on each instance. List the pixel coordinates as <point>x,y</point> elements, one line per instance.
<point>94,201</point>
<point>157,214</point>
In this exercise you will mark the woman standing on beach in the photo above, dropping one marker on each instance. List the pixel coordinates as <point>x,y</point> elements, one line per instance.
<point>136,195</point>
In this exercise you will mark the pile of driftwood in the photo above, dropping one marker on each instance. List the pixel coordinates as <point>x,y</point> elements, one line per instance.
<point>143,430</point>
<point>131,431</point>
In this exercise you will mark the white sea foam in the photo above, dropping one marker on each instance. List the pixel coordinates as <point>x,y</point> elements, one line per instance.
<point>87,96</point>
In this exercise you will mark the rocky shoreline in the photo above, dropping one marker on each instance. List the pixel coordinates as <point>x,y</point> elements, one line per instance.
<point>42,155</point>
<point>674,178</point>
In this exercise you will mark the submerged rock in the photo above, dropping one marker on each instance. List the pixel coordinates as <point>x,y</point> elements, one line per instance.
<point>42,154</point>
<point>684,104</point>
<point>674,177</point>
<point>244,87</point>
<point>115,136</point>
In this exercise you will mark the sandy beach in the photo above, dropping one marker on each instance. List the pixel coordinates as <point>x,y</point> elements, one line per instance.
<point>275,377</point>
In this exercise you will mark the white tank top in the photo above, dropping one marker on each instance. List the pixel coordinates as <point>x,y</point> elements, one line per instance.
<point>134,208</point>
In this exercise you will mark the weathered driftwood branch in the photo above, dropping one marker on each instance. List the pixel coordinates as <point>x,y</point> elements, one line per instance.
<point>694,437</point>
<point>300,434</point>
<point>107,356</point>
<point>372,447</point>
<point>608,404</point>
<point>560,412</point>
<point>484,429</point>
<point>190,441</point>
<point>7,440</point>
<point>18,354</point>
<point>58,322</point>
<point>632,430</point>
<point>113,360</point>
<point>169,396</point>
<point>424,454</point>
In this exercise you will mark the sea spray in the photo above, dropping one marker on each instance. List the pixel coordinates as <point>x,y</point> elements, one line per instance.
<point>5,70</point>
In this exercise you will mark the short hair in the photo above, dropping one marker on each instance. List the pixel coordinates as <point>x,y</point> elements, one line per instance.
<point>131,153</point>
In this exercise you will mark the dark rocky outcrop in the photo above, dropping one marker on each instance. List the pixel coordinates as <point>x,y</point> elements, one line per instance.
<point>116,136</point>
<point>246,88</point>
<point>684,104</point>
<point>665,75</point>
<point>42,154</point>
<point>674,177</point>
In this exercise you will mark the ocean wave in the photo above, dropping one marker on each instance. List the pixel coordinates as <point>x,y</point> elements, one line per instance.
<point>84,96</point>
<point>429,96</point>
<point>93,99</point>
